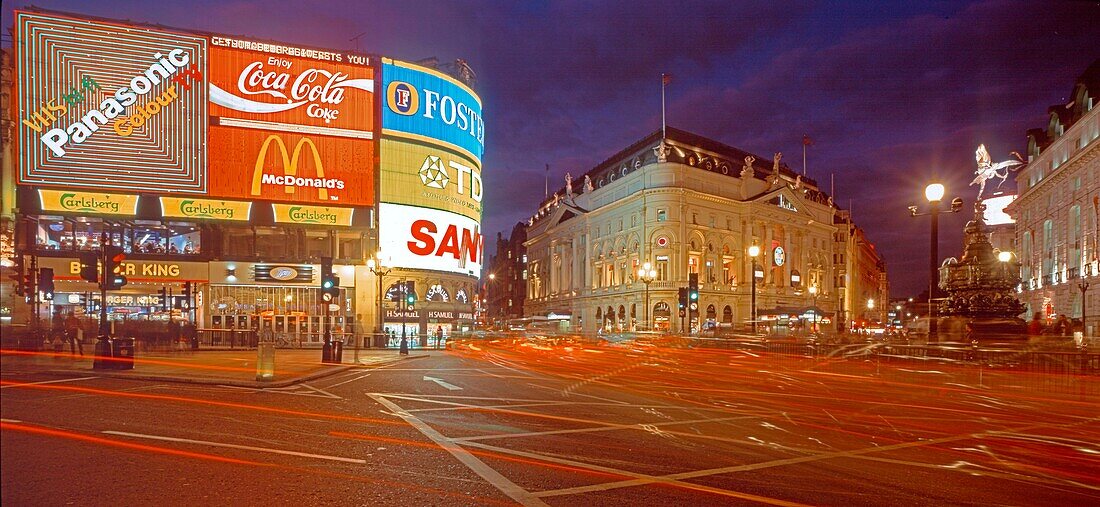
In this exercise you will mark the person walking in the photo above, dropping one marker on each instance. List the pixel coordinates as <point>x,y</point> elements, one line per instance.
<point>1035,325</point>
<point>72,332</point>
<point>1063,327</point>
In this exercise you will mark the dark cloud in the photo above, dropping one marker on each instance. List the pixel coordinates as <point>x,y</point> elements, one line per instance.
<point>894,94</point>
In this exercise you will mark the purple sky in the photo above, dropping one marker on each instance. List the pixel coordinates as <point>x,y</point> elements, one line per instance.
<point>893,95</point>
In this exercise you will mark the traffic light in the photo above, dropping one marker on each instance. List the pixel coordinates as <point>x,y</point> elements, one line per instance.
<point>683,300</point>
<point>410,296</point>
<point>45,283</point>
<point>330,284</point>
<point>18,276</point>
<point>89,266</point>
<point>30,282</point>
<point>113,279</point>
<point>693,287</point>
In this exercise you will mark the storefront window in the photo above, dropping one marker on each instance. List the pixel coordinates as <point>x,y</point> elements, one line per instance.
<point>139,237</point>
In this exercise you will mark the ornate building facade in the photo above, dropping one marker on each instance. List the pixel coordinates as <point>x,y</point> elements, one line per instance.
<point>685,205</point>
<point>1057,213</point>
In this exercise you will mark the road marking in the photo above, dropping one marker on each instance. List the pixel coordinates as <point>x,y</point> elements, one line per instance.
<point>449,386</point>
<point>513,490</point>
<point>321,391</point>
<point>855,453</point>
<point>475,407</point>
<point>641,478</point>
<point>639,426</point>
<point>347,381</point>
<point>235,446</point>
<point>47,382</point>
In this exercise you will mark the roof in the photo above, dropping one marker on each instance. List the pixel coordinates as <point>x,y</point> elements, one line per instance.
<point>736,156</point>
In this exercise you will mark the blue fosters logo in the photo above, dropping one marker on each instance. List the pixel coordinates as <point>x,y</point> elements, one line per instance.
<point>402,98</point>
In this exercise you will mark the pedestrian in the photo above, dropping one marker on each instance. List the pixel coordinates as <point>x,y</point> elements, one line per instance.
<point>72,331</point>
<point>1063,327</point>
<point>1035,326</point>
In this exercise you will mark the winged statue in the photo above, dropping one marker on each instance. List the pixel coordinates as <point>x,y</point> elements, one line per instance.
<point>987,170</point>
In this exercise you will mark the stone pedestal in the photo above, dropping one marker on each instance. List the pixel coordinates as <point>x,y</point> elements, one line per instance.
<point>981,303</point>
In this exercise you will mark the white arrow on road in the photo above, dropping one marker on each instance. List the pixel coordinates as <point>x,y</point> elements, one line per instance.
<point>449,386</point>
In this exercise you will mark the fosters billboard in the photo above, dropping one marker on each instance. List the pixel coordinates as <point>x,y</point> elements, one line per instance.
<point>430,176</point>
<point>110,106</point>
<point>105,105</point>
<point>424,104</point>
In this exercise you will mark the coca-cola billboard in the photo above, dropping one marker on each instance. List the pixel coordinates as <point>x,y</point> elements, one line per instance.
<point>271,83</point>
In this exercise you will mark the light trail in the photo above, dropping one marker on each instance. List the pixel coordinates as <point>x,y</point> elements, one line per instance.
<point>197,401</point>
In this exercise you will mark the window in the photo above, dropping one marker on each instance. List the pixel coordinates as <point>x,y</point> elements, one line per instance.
<point>633,220</point>
<point>710,273</point>
<point>662,215</point>
<point>693,264</point>
<point>695,218</point>
<point>620,225</point>
<point>662,267</point>
<point>727,271</point>
<point>136,237</point>
<point>525,255</point>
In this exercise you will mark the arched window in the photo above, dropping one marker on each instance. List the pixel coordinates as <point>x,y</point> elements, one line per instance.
<point>395,292</point>
<point>711,313</point>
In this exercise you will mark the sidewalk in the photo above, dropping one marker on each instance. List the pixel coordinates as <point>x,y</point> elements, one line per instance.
<point>233,368</point>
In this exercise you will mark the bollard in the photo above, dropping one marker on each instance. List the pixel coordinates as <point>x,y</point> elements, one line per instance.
<point>338,351</point>
<point>102,356</point>
<point>265,361</point>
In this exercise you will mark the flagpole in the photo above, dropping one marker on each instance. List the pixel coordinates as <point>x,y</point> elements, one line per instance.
<point>804,157</point>
<point>664,132</point>
<point>546,182</point>
<point>832,183</point>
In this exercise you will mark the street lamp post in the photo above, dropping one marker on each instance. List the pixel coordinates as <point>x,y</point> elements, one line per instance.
<point>647,274</point>
<point>378,267</point>
<point>813,294</point>
<point>754,251</point>
<point>934,194</point>
<point>488,297</point>
<point>1083,286</point>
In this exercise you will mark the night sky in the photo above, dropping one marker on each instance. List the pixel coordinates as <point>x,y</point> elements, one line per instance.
<point>892,95</point>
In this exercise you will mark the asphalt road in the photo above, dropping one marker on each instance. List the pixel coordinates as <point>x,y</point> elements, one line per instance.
<point>559,424</point>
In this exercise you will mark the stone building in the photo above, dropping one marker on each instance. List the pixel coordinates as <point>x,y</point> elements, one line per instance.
<point>685,204</point>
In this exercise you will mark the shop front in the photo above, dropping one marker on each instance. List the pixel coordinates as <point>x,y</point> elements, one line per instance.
<point>285,297</point>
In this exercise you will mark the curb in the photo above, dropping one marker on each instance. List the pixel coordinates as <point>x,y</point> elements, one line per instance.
<point>254,384</point>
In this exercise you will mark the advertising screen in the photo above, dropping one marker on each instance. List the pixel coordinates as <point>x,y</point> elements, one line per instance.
<point>421,238</point>
<point>109,106</point>
<point>428,176</point>
<point>421,103</point>
<point>290,124</point>
<point>281,166</point>
<point>264,85</point>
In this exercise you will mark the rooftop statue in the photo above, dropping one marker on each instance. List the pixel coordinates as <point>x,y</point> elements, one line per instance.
<point>988,170</point>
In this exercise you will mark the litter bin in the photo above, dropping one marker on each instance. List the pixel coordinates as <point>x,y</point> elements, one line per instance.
<point>123,352</point>
<point>265,361</point>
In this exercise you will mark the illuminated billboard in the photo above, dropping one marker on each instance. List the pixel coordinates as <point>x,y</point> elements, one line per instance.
<point>275,87</point>
<point>428,176</point>
<point>291,124</point>
<point>421,238</point>
<point>110,106</point>
<point>279,166</point>
<point>427,105</point>
<point>995,210</point>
